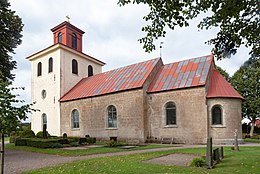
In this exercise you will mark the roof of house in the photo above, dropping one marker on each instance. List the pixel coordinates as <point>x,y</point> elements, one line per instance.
<point>219,87</point>
<point>183,74</point>
<point>125,78</point>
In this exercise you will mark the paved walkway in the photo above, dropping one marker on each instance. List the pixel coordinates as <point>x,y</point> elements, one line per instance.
<point>20,161</point>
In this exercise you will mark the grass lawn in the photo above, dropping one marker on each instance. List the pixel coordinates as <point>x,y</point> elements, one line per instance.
<point>252,140</point>
<point>245,161</point>
<point>90,151</point>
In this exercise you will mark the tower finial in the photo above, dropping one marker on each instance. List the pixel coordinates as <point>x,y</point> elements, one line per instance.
<point>68,18</point>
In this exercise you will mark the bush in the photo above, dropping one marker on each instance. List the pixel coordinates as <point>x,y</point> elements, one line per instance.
<point>20,141</point>
<point>82,140</point>
<point>73,139</point>
<point>91,140</point>
<point>27,134</point>
<point>40,134</point>
<point>74,144</point>
<point>112,143</point>
<point>57,145</point>
<point>255,137</point>
<point>63,141</point>
<point>197,162</point>
<point>41,143</point>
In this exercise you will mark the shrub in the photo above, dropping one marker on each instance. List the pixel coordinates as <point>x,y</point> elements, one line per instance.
<point>112,143</point>
<point>73,139</point>
<point>57,145</point>
<point>74,144</point>
<point>40,134</point>
<point>82,140</point>
<point>63,141</point>
<point>41,143</point>
<point>91,140</point>
<point>197,162</point>
<point>20,141</point>
<point>27,134</point>
<point>255,137</point>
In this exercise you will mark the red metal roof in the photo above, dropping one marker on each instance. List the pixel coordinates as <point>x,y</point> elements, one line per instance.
<point>219,87</point>
<point>125,78</point>
<point>183,74</point>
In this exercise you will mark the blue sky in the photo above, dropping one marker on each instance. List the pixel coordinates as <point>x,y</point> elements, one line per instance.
<point>111,34</point>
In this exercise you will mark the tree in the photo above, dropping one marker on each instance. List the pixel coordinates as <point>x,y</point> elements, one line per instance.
<point>247,82</point>
<point>238,22</point>
<point>223,73</point>
<point>10,37</point>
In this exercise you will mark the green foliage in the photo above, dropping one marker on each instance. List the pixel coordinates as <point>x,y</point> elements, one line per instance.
<point>112,143</point>
<point>10,113</point>
<point>238,22</point>
<point>223,73</point>
<point>41,143</point>
<point>40,134</point>
<point>74,144</point>
<point>10,37</point>
<point>20,141</point>
<point>247,82</point>
<point>197,162</point>
<point>57,145</point>
<point>27,134</point>
<point>91,140</point>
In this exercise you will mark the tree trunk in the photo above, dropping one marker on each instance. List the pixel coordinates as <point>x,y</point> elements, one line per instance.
<point>2,153</point>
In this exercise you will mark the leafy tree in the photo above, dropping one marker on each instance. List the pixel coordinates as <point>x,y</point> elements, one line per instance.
<point>238,22</point>
<point>247,82</point>
<point>223,73</point>
<point>10,37</point>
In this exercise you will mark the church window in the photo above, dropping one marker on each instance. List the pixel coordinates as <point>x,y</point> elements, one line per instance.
<point>44,93</point>
<point>74,66</point>
<point>60,37</point>
<point>90,70</point>
<point>170,110</point>
<point>74,41</point>
<point>75,119</point>
<point>44,120</point>
<point>112,116</point>
<point>216,113</point>
<point>39,69</point>
<point>50,64</point>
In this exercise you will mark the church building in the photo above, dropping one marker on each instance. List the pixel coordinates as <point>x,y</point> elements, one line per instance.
<point>185,101</point>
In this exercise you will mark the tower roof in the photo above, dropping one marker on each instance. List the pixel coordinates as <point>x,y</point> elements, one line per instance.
<point>219,87</point>
<point>65,23</point>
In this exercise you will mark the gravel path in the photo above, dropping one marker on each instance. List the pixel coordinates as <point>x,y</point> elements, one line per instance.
<point>19,161</point>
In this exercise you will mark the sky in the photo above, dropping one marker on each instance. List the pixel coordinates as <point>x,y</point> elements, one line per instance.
<point>111,34</point>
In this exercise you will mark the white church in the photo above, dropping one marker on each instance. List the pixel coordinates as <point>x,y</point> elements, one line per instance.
<point>186,101</point>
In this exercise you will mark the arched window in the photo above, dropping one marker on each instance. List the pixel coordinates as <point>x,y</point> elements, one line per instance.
<point>75,119</point>
<point>216,113</point>
<point>74,41</point>
<point>50,64</point>
<point>90,70</point>
<point>112,116</point>
<point>39,69</point>
<point>170,110</point>
<point>74,66</point>
<point>60,37</point>
<point>44,120</point>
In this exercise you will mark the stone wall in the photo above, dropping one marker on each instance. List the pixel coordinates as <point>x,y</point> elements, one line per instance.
<point>191,114</point>
<point>231,120</point>
<point>93,116</point>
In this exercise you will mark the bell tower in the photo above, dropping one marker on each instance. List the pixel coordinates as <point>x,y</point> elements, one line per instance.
<point>68,35</point>
<point>55,70</point>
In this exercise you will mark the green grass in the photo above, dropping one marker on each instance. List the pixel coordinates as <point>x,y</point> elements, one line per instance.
<point>90,151</point>
<point>246,161</point>
<point>252,140</point>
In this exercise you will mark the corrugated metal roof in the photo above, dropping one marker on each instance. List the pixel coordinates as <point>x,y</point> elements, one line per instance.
<point>219,87</point>
<point>125,78</point>
<point>183,74</point>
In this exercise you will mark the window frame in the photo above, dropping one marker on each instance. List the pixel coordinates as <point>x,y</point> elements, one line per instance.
<point>112,122</point>
<point>90,71</point>
<point>59,37</point>
<point>75,119</point>
<point>39,69</point>
<point>74,67</point>
<point>50,62</point>
<point>167,119</point>
<point>74,41</point>
<point>216,121</point>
